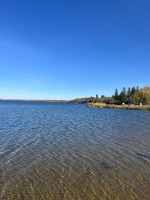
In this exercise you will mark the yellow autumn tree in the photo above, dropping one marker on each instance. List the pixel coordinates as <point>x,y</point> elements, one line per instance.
<point>146,90</point>
<point>142,96</point>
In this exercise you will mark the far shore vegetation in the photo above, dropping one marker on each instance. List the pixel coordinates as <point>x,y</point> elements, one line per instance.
<point>134,98</point>
<point>133,95</point>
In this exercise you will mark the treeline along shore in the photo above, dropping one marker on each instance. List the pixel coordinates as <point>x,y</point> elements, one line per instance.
<point>134,99</point>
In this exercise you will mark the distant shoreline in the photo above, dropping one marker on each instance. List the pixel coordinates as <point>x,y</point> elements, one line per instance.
<point>34,100</point>
<point>92,104</point>
<point>125,107</point>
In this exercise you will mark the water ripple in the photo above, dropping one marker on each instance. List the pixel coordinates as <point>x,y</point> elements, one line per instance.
<point>67,151</point>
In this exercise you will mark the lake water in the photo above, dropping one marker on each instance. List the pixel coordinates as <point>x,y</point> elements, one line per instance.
<point>62,151</point>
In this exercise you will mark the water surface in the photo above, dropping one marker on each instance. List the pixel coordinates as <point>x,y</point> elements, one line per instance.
<point>68,151</point>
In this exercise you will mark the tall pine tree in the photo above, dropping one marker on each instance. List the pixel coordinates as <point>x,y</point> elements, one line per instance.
<point>123,96</point>
<point>133,91</point>
<point>116,94</point>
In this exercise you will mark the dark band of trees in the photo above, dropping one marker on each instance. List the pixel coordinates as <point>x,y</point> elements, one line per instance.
<point>132,96</point>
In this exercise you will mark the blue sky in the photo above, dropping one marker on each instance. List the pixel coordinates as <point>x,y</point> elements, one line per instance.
<point>73,48</point>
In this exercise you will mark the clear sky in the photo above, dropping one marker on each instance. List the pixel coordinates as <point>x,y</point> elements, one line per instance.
<point>63,49</point>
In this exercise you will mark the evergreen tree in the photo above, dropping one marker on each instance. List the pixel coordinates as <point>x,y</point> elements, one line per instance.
<point>133,91</point>
<point>129,92</point>
<point>124,91</point>
<point>116,94</point>
<point>123,96</point>
<point>129,97</point>
<point>137,89</point>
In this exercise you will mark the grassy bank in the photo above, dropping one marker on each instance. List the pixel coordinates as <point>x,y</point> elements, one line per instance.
<point>128,107</point>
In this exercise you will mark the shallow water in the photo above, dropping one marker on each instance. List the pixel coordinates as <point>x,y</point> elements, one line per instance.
<point>68,151</point>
